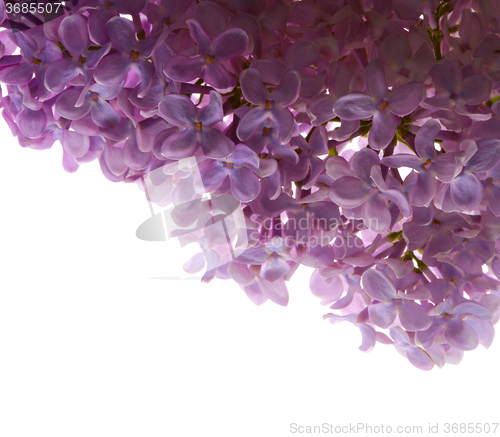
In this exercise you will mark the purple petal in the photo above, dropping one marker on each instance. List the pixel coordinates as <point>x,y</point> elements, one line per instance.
<point>274,269</point>
<point>240,273</point>
<point>399,199</point>
<point>254,293</point>
<point>74,34</point>
<point>252,87</point>
<point>275,291</point>
<point>178,109</point>
<point>213,112</point>
<point>406,98</point>
<point>199,35</point>
<point>59,73</point>
<point>180,145</point>
<point>416,235</point>
<point>328,290</point>
<point>195,264</point>
<point>355,106</point>
<point>395,49</point>
<point>184,69</point>
<point>65,105</point>
<point>466,191</point>
<point>230,43</point>
<point>215,144</point>
<point>77,145</point>
<point>17,74</point>
<point>402,160</point>
<point>473,309</point>
<point>213,175</point>
<point>475,89</point>
<point>250,122</point>
<point>245,185</point>
<point>145,71</point>
<point>301,54</point>
<point>445,166</point>
<point>441,242</point>
<point>285,122</point>
<point>486,157</point>
<point>217,76</point>
<point>288,89</point>
<point>69,163</point>
<point>368,337</point>
<point>383,129</point>
<point>382,314</point>
<point>113,157</point>
<point>349,192</point>
<point>103,114</point>
<point>376,215</point>
<point>375,79</point>
<point>424,189</point>
<point>419,358</point>
<point>447,76</point>
<point>133,157</point>
<point>32,123</point>
<point>378,285</point>
<point>362,163</point>
<point>211,16</point>
<point>121,33</point>
<point>97,24</point>
<point>244,155</point>
<point>413,316</point>
<point>460,335</point>
<point>112,69</point>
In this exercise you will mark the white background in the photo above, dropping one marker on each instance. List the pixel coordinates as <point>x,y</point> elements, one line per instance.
<point>92,346</point>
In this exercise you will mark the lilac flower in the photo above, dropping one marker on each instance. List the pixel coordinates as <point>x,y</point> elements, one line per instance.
<point>34,60</point>
<point>403,65</point>
<point>104,10</point>
<point>364,187</point>
<point>431,166</point>
<point>309,166</point>
<point>268,104</point>
<point>453,323</point>
<point>198,128</point>
<point>227,45</point>
<point>465,192</point>
<point>74,36</point>
<point>391,304</point>
<point>76,103</point>
<point>114,68</point>
<point>238,166</point>
<point>382,104</point>
<point>453,91</point>
<point>240,100</point>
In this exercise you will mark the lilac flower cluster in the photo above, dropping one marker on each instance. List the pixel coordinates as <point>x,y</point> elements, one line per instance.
<point>358,137</point>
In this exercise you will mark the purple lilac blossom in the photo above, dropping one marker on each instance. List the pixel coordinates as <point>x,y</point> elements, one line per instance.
<point>357,138</point>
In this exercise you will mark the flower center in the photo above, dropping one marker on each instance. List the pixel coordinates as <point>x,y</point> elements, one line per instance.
<point>384,105</point>
<point>268,104</point>
<point>209,59</point>
<point>199,125</point>
<point>82,59</point>
<point>37,61</point>
<point>134,54</point>
<point>266,131</point>
<point>427,163</point>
